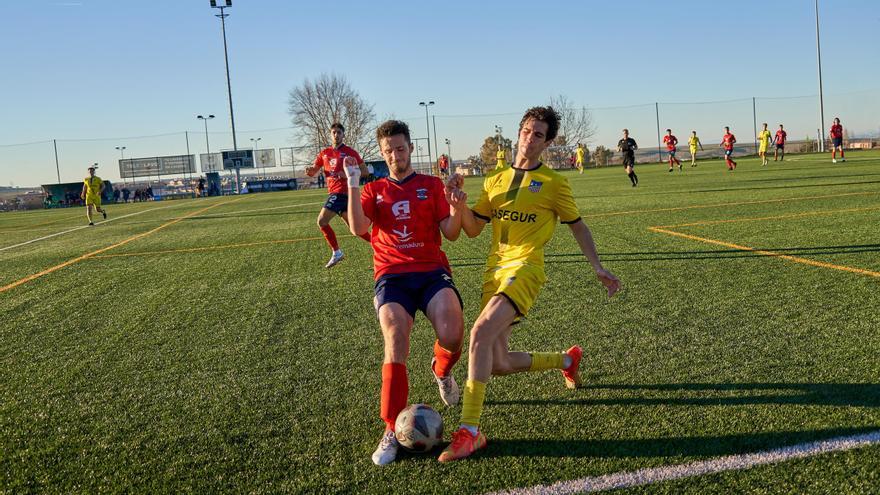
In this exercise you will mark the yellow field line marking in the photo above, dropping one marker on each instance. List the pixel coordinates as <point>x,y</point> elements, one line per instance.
<point>112,246</point>
<point>775,217</point>
<point>213,248</point>
<point>774,254</point>
<point>737,203</point>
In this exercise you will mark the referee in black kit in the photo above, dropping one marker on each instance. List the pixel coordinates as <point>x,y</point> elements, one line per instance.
<point>628,146</point>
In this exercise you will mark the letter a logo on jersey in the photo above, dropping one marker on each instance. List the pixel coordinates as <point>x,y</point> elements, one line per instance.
<point>400,210</point>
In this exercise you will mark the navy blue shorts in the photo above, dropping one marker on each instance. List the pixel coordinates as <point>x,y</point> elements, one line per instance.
<point>780,146</point>
<point>337,203</point>
<point>728,152</point>
<point>413,291</point>
<point>671,153</point>
<point>837,142</point>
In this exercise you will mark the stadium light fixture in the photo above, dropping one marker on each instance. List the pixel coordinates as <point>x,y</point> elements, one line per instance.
<point>428,127</point>
<point>449,149</point>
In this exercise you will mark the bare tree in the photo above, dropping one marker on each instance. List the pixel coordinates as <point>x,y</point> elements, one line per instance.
<point>576,125</point>
<point>315,105</point>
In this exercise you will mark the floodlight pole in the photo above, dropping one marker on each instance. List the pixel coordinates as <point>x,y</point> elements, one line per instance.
<point>821,100</point>
<point>434,120</point>
<point>428,128</point>
<point>755,123</point>
<point>57,168</point>
<point>121,159</point>
<point>222,15</point>
<point>659,150</point>
<point>449,149</point>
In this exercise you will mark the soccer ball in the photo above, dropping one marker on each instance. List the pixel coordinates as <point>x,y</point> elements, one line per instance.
<point>418,428</point>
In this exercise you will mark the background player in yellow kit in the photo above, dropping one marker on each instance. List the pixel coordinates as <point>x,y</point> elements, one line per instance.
<point>763,144</point>
<point>693,142</point>
<point>93,188</point>
<point>579,155</point>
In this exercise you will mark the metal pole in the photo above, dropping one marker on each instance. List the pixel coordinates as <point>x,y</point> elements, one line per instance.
<point>188,173</point>
<point>449,150</point>
<point>755,123</point>
<point>207,144</point>
<point>821,99</point>
<point>434,119</point>
<point>222,17</point>
<point>659,150</point>
<point>428,127</point>
<point>57,168</point>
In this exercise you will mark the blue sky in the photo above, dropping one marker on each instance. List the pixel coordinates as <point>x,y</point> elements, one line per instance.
<point>94,74</point>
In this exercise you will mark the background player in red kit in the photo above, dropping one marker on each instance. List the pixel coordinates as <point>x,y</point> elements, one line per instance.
<point>727,141</point>
<point>330,160</point>
<point>671,141</point>
<point>836,135</point>
<point>781,136</point>
<point>408,212</point>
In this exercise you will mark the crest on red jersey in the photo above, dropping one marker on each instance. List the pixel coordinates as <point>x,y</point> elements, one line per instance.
<point>422,193</point>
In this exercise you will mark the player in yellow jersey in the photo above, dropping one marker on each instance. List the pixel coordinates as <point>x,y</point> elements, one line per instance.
<point>523,202</point>
<point>693,142</point>
<point>763,144</point>
<point>500,158</point>
<point>579,154</point>
<point>92,189</point>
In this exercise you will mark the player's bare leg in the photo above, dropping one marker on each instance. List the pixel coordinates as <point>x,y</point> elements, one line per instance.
<point>444,313</point>
<point>396,326</point>
<point>89,214</point>
<point>693,159</point>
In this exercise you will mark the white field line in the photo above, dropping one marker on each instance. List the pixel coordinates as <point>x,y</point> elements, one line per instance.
<point>56,234</point>
<point>648,476</point>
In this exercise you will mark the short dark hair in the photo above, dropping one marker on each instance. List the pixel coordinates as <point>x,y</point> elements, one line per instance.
<point>337,125</point>
<point>726,128</point>
<point>392,128</point>
<point>543,114</point>
<point>668,130</point>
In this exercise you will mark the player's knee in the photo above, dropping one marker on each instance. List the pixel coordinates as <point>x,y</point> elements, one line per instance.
<point>501,366</point>
<point>396,344</point>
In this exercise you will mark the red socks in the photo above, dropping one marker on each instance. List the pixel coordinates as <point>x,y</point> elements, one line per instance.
<point>445,360</point>
<point>395,392</point>
<point>330,236</point>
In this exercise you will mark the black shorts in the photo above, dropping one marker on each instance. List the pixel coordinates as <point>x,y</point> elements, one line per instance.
<point>837,142</point>
<point>629,159</point>
<point>671,153</point>
<point>780,146</point>
<point>728,153</point>
<point>413,291</point>
<point>337,203</point>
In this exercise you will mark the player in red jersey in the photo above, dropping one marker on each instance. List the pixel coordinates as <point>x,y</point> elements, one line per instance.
<point>781,137</point>
<point>408,212</point>
<point>836,141</point>
<point>727,142</point>
<point>330,160</point>
<point>670,141</point>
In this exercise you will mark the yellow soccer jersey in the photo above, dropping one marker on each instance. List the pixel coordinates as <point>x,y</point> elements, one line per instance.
<point>764,137</point>
<point>93,185</point>
<point>693,142</point>
<point>523,206</point>
<point>579,155</point>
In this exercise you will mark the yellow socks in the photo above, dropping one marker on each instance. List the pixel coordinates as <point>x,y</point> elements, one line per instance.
<point>547,361</point>
<point>472,403</point>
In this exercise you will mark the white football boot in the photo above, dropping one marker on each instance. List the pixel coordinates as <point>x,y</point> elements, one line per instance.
<point>386,452</point>
<point>449,391</point>
<point>336,258</point>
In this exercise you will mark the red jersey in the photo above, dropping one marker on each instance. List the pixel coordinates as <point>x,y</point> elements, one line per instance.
<point>330,160</point>
<point>406,219</point>
<point>670,141</point>
<point>780,136</point>
<point>728,141</point>
<point>836,131</point>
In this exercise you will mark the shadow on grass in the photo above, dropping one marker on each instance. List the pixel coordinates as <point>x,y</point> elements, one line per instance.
<point>724,394</point>
<point>701,446</point>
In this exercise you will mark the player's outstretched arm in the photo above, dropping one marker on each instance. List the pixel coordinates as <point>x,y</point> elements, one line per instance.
<point>82,195</point>
<point>584,238</point>
<point>358,222</point>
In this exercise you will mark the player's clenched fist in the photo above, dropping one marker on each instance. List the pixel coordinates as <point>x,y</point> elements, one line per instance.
<point>352,171</point>
<point>455,181</point>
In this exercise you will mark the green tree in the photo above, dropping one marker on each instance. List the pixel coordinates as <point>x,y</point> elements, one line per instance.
<point>490,147</point>
<point>601,156</point>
